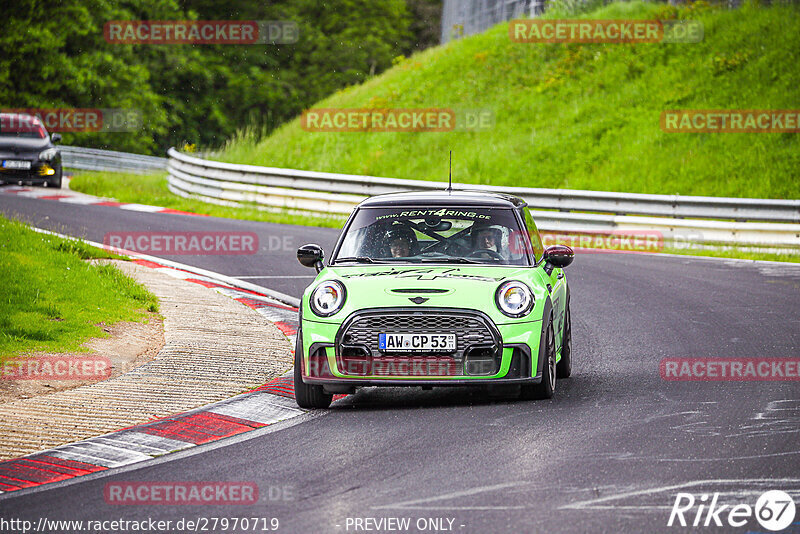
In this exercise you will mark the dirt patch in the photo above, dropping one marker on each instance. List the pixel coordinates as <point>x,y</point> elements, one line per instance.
<point>214,348</point>
<point>128,346</point>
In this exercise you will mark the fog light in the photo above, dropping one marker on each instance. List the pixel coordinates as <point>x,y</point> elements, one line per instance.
<point>46,170</point>
<point>481,361</point>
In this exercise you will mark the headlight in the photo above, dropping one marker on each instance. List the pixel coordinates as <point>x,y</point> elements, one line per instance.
<point>327,298</point>
<point>48,154</point>
<point>514,299</point>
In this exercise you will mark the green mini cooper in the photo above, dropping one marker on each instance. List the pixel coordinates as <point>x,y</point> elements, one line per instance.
<point>450,288</point>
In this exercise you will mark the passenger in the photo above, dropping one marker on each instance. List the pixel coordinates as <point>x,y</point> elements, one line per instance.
<point>486,237</point>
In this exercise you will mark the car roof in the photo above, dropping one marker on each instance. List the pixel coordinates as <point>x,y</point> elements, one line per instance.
<point>444,198</point>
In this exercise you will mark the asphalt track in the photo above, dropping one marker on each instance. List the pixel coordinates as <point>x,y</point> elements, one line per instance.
<point>607,454</point>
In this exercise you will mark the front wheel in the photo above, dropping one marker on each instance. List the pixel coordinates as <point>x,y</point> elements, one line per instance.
<point>307,395</point>
<point>545,388</point>
<point>56,180</point>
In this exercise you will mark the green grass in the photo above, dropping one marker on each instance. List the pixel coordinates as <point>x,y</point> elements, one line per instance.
<point>151,189</point>
<point>53,300</point>
<point>577,116</point>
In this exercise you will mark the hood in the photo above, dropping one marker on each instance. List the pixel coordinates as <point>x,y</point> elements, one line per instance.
<point>22,145</point>
<point>379,286</point>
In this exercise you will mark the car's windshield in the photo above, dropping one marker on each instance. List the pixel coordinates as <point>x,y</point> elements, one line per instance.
<point>433,235</point>
<point>24,126</point>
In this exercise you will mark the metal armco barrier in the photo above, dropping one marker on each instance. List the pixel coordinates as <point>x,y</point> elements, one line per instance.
<point>94,159</point>
<point>686,219</point>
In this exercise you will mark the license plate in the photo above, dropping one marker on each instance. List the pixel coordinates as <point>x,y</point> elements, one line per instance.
<point>16,164</point>
<point>417,342</point>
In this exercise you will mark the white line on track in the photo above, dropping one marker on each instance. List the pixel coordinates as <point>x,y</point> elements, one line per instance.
<point>722,459</point>
<point>141,207</point>
<point>415,504</point>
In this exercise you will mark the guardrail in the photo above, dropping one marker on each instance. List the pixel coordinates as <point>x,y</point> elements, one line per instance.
<point>94,159</point>
<point>760,222</point>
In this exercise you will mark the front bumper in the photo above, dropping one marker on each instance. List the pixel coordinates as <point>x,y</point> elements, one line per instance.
<point>336,354</point>
<point>39,172</point>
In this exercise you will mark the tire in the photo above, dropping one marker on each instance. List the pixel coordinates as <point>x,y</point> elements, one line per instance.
<point>545,388</point>
<point>307,395</point>
<point>56,181</point>
<point>564,367</point>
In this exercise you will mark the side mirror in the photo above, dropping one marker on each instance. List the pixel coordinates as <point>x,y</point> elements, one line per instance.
<point>311,256</point>
<point>558,256</point>
<point>56,137</point>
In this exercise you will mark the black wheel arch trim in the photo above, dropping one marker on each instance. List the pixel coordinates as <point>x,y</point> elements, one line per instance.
<point>548,309</point>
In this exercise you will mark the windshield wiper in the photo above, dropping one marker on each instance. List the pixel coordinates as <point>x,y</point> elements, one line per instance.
<point>449,260</point>
<point>357,259</point>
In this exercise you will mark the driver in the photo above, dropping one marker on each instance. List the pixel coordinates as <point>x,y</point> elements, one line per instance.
<point>486,237</point>
<point>401,240</point>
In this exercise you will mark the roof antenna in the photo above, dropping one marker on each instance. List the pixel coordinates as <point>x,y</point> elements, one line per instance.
<point>450,174</point>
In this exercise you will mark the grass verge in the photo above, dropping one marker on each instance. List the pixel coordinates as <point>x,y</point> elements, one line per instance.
<point>151,189</point>
<point>52,299</point>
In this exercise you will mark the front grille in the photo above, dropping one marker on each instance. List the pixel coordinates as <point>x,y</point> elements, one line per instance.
<point>23,174</point>
<point>471,329</point>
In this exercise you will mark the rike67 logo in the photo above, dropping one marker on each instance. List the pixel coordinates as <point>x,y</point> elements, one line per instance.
<point>774,510</point>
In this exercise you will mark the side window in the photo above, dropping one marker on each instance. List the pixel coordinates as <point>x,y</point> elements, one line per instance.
<point>536,240</point>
